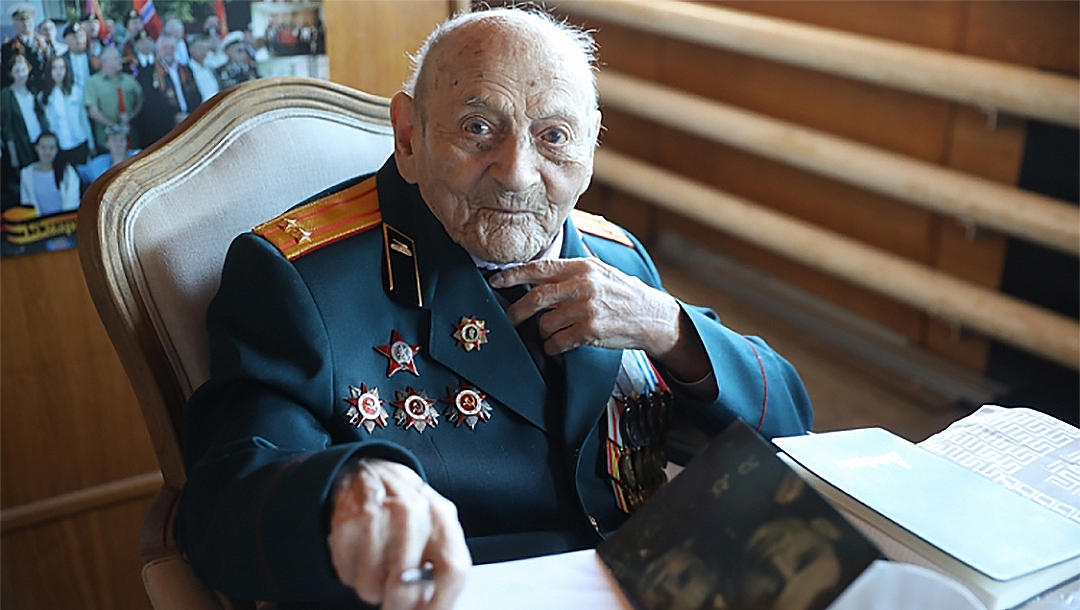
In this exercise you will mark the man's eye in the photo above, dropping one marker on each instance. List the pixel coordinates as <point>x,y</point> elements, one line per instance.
<point>477,128</point>
<point>555,136</point>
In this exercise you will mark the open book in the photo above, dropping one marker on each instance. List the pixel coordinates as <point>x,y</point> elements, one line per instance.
<point>736,529</point>
<point>922,508</point>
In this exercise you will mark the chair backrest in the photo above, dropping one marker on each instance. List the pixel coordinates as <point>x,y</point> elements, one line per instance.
<point>153,231</point>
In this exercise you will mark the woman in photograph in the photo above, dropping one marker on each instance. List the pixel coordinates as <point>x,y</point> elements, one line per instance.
<point>23,118</point>
<point>48,186</point>
<point>21,122</point>
<point>65,112</point>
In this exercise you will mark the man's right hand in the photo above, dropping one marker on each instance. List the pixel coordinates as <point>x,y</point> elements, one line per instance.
<point>386,521</point>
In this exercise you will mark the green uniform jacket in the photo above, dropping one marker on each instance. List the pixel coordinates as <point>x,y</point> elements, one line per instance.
<point>266,436</point>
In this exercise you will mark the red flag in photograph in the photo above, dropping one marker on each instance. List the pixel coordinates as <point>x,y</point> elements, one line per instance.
<point>92,6</point>
<point>149,15</point>
<point>223,24</point>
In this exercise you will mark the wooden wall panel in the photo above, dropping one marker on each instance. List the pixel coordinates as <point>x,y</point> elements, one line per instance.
<point>68,421</point>
<point>69,418</point>
<point>368,41</point>
<point>924,128</point>
<point>89,561</point>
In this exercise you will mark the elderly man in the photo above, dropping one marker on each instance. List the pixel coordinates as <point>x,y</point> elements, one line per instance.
<point>28,44</point>
<point>170,92</point>
<point>112,97</point>
<point>381,400</point>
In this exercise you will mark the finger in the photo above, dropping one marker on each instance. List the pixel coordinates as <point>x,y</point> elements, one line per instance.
<point>357,534</point>
<point>447,551</point>
<point>538,272</point>
<point>410,529</point>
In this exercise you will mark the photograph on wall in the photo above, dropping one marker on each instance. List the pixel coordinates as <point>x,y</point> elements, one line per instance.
<point>88,83</point>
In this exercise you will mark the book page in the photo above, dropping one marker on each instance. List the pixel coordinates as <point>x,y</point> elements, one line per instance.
<point>1028,452</point>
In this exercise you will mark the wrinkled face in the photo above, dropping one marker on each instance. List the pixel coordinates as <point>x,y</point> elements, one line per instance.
<point>46,149</point>
<point>58,70</point>
<point>501,140</point>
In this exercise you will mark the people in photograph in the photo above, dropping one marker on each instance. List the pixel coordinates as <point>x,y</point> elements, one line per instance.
<point>46,185</point>
<point>53,41</point>
<point>23,118</point>
<point>145,56</point>
<point>27,44</point>
<point>65,111</point>
<point>94,44</point>
<point>80,63</point>
<point>241,65</point>
<point>117,149</point>
<point>132,26</point>
<point>216,57</point>
<point>418,367</point>
<point>169,93</point>
<point>203,73</point>
<point>112,97</point>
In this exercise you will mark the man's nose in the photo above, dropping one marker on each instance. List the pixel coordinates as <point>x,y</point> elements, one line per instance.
<point>517,164</point>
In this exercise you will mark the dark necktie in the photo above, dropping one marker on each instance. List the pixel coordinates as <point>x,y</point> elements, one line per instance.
<point>550,367</point>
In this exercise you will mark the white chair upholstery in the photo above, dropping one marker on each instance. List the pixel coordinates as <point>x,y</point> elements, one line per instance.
<point>153,233</point>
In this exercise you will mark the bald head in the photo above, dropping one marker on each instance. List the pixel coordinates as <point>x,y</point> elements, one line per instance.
<point>532,37</point>
<point>498,129</point>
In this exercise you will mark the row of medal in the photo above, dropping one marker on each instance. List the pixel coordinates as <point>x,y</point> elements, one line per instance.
<point>637,418</point>
<point>414,409</point>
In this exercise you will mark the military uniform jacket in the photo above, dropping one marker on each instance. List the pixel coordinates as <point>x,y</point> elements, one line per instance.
<point>293,340</point>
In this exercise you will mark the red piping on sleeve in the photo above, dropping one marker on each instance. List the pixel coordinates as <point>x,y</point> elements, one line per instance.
<point>764,382</point>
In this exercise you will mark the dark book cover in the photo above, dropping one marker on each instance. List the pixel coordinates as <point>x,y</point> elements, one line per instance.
<point>737,529</point>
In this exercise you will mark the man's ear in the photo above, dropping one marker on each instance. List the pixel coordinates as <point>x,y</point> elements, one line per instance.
<point>403,118</point>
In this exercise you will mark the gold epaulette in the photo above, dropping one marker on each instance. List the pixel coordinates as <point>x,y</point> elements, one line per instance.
<point>323,221</point>
<point>600,227</point>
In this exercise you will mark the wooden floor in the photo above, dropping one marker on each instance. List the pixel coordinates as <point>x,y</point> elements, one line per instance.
<point>846,392</point>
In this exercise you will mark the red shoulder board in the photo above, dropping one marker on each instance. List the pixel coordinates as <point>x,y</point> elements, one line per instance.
<point>600,227</point>
<point>324,221</point>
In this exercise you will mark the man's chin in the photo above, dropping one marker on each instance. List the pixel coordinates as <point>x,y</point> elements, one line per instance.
<point>505,251</point>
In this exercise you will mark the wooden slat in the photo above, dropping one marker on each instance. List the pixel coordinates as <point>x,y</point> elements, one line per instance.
<point>66,505</point>
<point>1011,320</point>
<point>984,83</point>
<point>1031,216</point>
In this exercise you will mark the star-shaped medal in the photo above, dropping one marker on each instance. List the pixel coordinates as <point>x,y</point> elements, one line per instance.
<point>400,354</point>
<point>414,410</point>
<point>470,333</point>
<point>367,408</point>
<point>467,404</point>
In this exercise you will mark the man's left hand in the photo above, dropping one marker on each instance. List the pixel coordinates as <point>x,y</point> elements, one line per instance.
<point>584,301</point>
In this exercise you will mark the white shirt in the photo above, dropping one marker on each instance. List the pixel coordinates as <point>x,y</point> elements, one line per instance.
<point>26,107</point>
<point>204,80</point>
<point>80,68</point>
<point>146,59</point>
<point>67,117</point>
